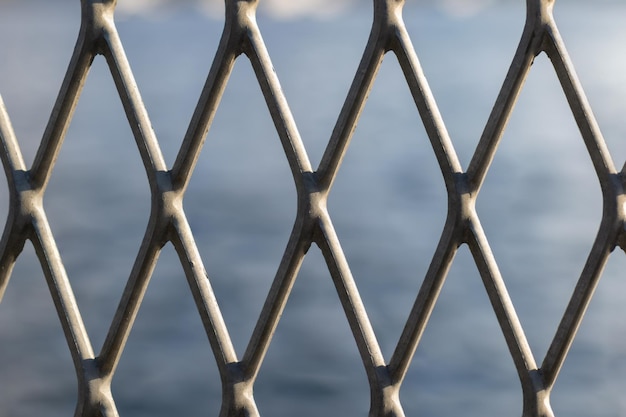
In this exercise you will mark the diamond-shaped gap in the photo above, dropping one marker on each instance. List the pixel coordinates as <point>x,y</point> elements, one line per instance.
<point>167,367</point>
<point>591,381</point>
<point>462,365</point>
<point>313,367</point>
<point>316,60</point>
<point>594,373</point>
<point>98,201</point>
<point>241,203</point>
<point>594,36</point>
<point>465,49</point>
<point>170,56</point>
<point>388,204</point>
<point>540,205</point>
<point>37,43</point>
<point>36,370</point>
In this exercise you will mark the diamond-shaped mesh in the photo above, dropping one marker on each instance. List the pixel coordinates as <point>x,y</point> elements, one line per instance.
<point>313,225</point>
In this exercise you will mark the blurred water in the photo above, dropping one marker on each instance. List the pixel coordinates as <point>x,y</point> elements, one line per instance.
<point>540,207</point>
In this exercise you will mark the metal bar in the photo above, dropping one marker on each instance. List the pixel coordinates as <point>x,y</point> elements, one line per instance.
<point>10,154</point>
<point>277,104</point>
<point>579,105</point>
<point>578,303</point>
<point>353,105</point>
<point>369,349</point>
<point>228,50</point>
<point>134,108</point>
<point>612,189</point>
<point>13,236</point>
<point>82,57</point>
<point>182,239</point>
<point>502,305</point>
<point>528,48</point>
<point>426,105</point>
<point>131,299</point>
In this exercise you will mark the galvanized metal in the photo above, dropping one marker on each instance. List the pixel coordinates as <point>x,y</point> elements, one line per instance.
<point>313,225</point>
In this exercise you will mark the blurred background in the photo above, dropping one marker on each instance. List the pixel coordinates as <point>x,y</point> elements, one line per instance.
<point>540,207</point>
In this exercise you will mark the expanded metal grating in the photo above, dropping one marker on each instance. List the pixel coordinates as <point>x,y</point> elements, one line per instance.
<point>313,225</point>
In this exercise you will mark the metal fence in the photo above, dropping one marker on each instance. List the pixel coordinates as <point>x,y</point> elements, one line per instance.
<point>168,222</point>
